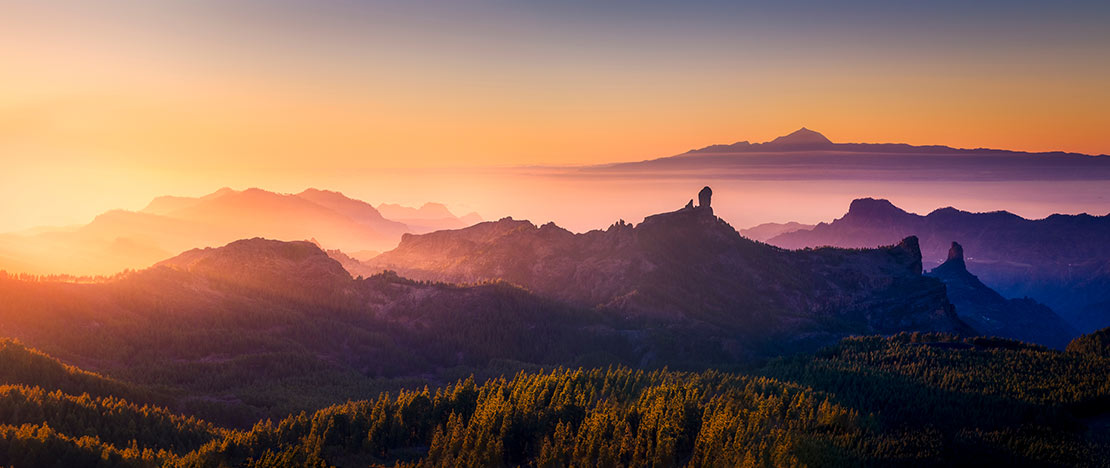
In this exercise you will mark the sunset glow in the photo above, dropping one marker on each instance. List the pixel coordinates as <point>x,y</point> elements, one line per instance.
<point>565,233</point>
<point>113,103</point>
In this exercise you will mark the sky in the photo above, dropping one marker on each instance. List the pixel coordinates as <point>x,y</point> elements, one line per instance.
<point>107,104</point>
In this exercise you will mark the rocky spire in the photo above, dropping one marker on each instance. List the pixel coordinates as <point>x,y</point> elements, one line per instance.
<point>910,252</point>
<point>956,253</point>
<point>704,197</point>
<point>954,266</point>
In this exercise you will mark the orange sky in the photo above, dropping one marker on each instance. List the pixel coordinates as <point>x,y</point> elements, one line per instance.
<point>106,106</point>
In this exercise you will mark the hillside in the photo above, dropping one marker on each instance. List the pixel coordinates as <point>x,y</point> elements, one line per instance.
<point>911,399</point>
<point>260,328</point>
<point>32,368</point>
<point>1062,261</point>
<point>53,414</point>
<point>1096,343</point>
<point>930,400</point>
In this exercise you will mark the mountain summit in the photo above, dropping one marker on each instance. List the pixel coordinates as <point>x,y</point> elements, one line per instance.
<point>875,209</point>
<point>801,137</point>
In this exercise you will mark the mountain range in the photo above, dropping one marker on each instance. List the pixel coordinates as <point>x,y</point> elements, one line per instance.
<point>767,231</point>
<point>429,217</point>
<point>682,289</point>
<point>686,342</point>
<point>633,270</point>
<point>688,265</point>
<point>120,239</point>
<point>1062,261</point>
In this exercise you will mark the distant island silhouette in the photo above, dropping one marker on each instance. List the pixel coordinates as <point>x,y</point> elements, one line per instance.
<point>807,154</point>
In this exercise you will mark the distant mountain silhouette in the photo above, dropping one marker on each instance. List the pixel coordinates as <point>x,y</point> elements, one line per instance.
<point>338,222</point>
<point>357,210</point>
<point>689,266</point>
<point>429,217</point>
<point>766,231</point>
<point>806,154</point>
<point>426,211</point>
<point>803,137</point>
<point>991,314</point>
<point>800,140</point>
<point>119,239</point>
<point>169,203</point>
<point>1062,260</point>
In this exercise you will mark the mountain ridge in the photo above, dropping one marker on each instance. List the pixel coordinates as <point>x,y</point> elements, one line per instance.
<point>117,240</point>
<point>1060,260</point>
<point>765,231</point>
<point>632,269</point>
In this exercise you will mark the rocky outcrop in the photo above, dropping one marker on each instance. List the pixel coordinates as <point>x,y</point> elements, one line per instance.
<point>993,315</point>
<point>705,197</point>
<point>908,251</point>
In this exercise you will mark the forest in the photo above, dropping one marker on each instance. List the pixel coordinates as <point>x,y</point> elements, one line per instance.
<point>911,398</point>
